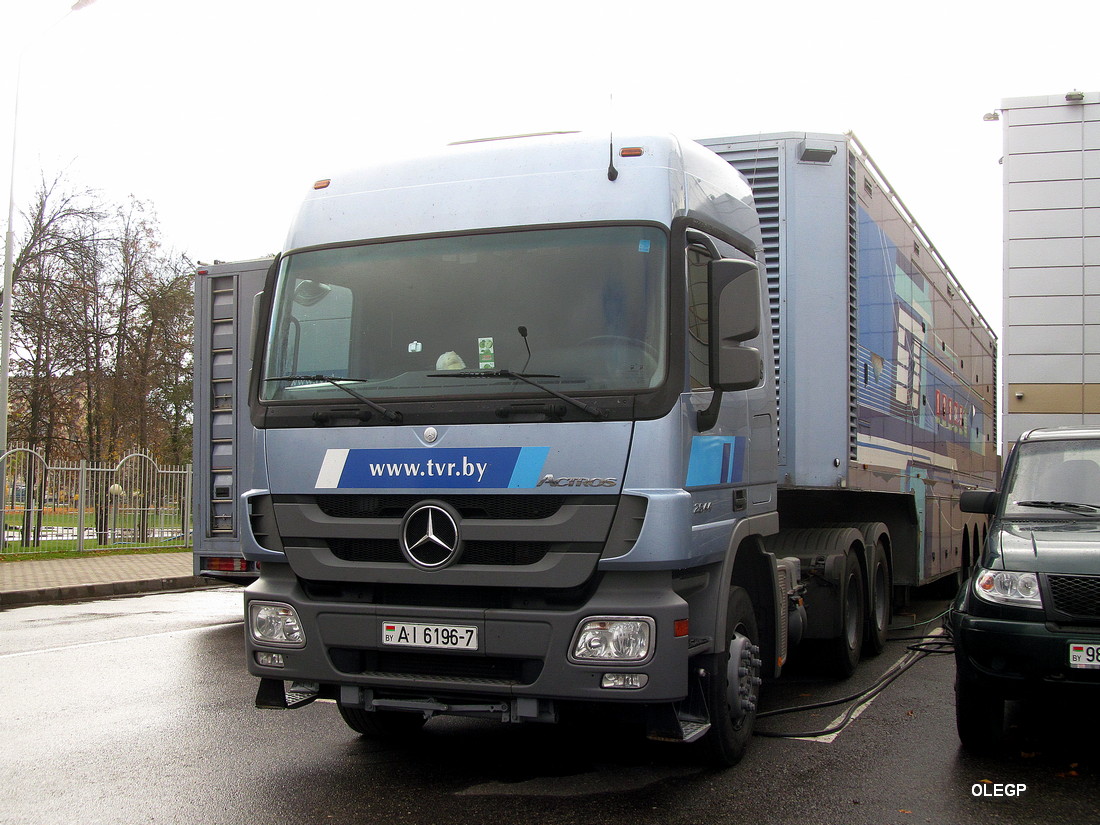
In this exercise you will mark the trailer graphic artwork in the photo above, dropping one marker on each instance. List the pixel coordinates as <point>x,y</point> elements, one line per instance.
<point>909,389</point>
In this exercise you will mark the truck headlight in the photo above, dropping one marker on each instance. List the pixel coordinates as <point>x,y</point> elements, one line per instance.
<point>614,639</point>
<point>274,623</point>
<point>1006,587</point>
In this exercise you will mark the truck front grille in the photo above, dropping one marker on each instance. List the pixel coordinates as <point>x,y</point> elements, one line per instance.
<point>376,551</point>
<point>469,507</point>
<point>1076,596</point>
<point>436,666</point>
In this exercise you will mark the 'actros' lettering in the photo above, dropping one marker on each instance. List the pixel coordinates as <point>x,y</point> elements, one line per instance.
<point>577,482</point>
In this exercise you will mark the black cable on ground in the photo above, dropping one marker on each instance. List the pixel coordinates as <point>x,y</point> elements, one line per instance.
<point>923,647</point>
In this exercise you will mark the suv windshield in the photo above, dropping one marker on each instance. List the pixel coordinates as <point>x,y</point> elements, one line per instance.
<point>578,309</point>
<point>1054,476</point>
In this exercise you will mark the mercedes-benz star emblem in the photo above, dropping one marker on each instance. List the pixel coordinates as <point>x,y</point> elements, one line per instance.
<point>430,537</point>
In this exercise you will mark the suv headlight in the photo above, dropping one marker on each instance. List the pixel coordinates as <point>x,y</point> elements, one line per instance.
<point>1006,587</point>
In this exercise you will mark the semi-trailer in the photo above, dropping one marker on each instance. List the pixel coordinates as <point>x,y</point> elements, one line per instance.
<point>222,435</point>
<point>560,421</point>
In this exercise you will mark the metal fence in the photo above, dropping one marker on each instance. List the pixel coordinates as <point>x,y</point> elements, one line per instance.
<point>84,506</point>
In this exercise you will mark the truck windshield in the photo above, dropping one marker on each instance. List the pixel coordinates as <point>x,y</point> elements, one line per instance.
<point>1054,477</point>
<point>580,309</point>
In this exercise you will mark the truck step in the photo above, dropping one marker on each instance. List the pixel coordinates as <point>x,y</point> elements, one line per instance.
<point>273,693</point>
<point>300,694</point>
<point>687,730</point>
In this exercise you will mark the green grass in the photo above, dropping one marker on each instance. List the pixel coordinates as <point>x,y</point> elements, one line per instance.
<point>77,554</point>
<point>55,546</point>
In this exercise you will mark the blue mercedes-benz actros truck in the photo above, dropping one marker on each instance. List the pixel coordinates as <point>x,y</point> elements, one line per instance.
<point>556,421</point>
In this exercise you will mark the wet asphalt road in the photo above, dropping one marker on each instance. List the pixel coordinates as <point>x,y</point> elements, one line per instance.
<point>140,710</point>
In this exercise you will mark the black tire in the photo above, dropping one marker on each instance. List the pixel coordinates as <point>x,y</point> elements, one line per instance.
<point>879,603</point>
<point>842,653</point>
<point>979,717</point>
<point>732,684</point>
<point>382,724</point>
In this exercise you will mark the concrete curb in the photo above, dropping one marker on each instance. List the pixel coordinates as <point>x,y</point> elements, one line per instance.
<point>103,590</point>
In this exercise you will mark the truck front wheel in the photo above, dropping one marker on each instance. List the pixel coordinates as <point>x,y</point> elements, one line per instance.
<point>382,724</point>
<point>733,683</point>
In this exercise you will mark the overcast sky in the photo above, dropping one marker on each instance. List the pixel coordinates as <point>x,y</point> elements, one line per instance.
<point>221,113</point>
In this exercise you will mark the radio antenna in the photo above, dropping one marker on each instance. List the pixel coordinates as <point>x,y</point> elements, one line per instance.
<point>612,172</point>
<point>523,334</point>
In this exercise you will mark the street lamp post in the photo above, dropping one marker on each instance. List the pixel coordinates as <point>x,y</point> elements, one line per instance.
<point>9,263</point>
<point>9,252</point>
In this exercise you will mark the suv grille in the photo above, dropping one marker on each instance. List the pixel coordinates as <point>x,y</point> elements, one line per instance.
<point>1076,595</point>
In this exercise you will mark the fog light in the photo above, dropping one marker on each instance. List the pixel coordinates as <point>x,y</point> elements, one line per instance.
<point>267,659</point>
<point>614,638</point>
<point>624,681</point>
<point>275,624</point>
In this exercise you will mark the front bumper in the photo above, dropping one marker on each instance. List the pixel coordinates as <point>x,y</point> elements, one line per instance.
<point>1018,657</point>
<point>523,652</point>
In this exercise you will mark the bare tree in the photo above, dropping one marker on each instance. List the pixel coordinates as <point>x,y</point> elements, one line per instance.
<point>102,331</point>
<point>61,227</point>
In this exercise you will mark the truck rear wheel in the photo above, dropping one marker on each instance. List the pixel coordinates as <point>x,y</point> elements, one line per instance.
<point>878,602</point>
<point>843,652</point>
<point>733,683</point>
<point>382,724</point>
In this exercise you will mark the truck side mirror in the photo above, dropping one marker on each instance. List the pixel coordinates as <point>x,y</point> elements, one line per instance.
<point>734,318</point>
<point>254,329</point>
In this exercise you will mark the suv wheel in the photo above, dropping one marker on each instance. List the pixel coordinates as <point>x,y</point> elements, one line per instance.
<point>979,716</point>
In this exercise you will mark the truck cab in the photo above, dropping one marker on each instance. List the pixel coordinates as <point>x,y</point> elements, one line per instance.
<point>514,441</point>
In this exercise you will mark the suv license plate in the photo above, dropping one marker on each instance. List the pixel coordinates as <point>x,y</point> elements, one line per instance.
<point>1084,655</point>
<point>447,636</point>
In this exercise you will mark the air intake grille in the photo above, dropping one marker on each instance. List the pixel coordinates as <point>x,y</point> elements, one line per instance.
<point>437,666</point>
<point>469,507</point>
<point>853,306</point>
<point>375,551</point>
<point>760,166</point>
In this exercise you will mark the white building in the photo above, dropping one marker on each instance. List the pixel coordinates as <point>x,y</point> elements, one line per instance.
<point>1051,338</point>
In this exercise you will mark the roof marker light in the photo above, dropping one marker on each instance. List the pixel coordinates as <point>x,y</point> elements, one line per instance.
<point>631,152</point>
<point>322,184</point>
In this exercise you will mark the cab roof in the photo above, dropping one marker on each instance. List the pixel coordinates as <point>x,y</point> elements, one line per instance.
<point>526,181</point>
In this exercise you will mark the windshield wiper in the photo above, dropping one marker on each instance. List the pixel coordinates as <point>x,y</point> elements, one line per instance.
<point>390,415</point>
<point>1069,506</point>
<point>527,378</point>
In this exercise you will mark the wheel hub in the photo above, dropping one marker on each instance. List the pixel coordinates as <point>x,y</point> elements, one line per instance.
<point>743,678</point>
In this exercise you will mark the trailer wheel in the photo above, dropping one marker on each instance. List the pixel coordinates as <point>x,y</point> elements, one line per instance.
<point>843,651</point>
<point>878,602</point>
<point>979,717</point>
<point>733,683</point>
<point>382,724</point>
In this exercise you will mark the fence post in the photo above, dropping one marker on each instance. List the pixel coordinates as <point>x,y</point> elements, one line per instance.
<point>81,504</point>
<point>186,505</point>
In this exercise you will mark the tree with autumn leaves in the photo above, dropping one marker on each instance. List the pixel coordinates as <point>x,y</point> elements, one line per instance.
<point>101,331</point>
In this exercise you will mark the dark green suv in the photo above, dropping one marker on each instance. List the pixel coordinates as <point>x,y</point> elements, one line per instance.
<point>1027,621</point>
